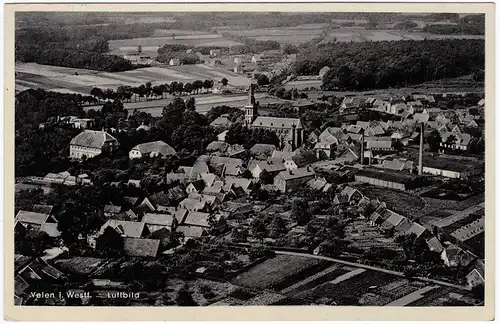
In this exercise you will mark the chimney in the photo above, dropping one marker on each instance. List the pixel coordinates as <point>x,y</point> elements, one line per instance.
<point>251,97</point>
<point>421,150</point>
<point>293,137</point>
<point>362,157</point>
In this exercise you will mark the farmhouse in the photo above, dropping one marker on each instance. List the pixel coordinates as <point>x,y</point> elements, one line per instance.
<point>174,62</point>
<point>151,149</point>
<point>90,143</point>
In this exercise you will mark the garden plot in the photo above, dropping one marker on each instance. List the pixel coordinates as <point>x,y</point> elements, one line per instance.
<point>278,272</point>
<point>310,282</point>
<point>348,288</point>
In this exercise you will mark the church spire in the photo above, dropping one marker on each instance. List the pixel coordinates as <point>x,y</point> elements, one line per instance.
<point>251,97</point>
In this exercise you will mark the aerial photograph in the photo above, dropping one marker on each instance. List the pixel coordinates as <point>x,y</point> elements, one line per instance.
<point>249,158</point>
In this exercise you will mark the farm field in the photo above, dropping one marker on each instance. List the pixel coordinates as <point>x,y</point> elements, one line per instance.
<point>360,34</point>
<point>304,33</point>
<point>150,45</point>
<point>32,75</point>
<point>274,272</point>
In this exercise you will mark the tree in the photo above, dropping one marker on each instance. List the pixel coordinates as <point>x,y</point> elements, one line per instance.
<point>265,177</point>
<point>32,242</point>
<point>190,104</point>
<point>290,49</point>
<point>262,80</point>
<point>434,141</point>
<point>330,248</point>
<point>188,88</point>
<point>184,297</point>
<point>139,49</point>
<point>239,235</point>
<point>260,251</point>
<point>224,81</point>
<point>110,243</point>
<point>451,141</point>
<point>278,227</point>
<point>300,212</point>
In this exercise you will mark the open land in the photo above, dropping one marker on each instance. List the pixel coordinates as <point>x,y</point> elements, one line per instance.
<point>32,75</point>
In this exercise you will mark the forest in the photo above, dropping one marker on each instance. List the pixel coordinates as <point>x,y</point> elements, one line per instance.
<point>378,65</point>
<point>83,48</point>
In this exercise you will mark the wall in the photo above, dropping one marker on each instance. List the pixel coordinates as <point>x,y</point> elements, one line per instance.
<point>380,183</point>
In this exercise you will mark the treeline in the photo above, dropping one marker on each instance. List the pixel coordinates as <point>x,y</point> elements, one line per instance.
<point>42,54</point>
<point>177,51</point>
<point>251,45</point>
<point>467,25</point>
<point>372,65</point>
<point>69,46</point>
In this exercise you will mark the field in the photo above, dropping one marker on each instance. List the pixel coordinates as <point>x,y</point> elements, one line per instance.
<point>150,45</point>
<point>274,272</point>
<point>304,33</point>
<point>32,75</point>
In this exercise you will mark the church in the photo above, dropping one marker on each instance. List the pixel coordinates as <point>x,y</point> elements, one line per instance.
<point>288,130</point>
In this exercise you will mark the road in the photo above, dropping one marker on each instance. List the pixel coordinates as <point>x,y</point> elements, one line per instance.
<point>368,267</point>
<point>458,215</point>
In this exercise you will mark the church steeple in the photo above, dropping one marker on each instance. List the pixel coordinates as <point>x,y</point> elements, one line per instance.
<point>251,107</point>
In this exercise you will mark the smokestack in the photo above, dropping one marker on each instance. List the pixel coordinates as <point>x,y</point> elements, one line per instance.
<point>293,137</point>
<point>421,150</point>
<point>251,97</point>
<point>362,157</point>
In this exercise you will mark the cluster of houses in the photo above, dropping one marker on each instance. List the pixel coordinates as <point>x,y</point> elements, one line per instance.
<point>71,121</point>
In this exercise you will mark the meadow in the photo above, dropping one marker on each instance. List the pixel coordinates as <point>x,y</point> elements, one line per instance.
<point>60,79</point>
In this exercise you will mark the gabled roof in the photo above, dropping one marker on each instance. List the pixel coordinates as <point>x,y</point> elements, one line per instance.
<point>277,122</point>
<point>31,217</point>
<point>43,209</point>
<point>158,219</point>
<point>303,157</point>
<point>393,220</point>
<point>374,145</point>
<point>158,147</point>
<point>140,247</point>
<point>127,228</point>
<point>434,245</point>
<point>195,218</point>
<point>416,229</point>
<point>221,121</point>
<point>296,174</point>
<point>191,231</point>
<point>112,209</point>
<point>217,146</point>
<point>93,139</point>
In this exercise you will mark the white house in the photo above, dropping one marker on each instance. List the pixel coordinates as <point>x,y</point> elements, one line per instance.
<point>152,149</point>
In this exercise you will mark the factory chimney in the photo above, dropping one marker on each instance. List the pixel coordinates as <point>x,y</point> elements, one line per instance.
<point>421,150</point>
<point>294,143</point>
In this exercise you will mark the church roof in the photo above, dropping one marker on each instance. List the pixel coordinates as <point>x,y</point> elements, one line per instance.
<point>90,138</point>
<point>277,122</point>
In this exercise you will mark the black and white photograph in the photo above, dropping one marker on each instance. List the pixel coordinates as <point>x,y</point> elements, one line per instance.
<point>271,158</point>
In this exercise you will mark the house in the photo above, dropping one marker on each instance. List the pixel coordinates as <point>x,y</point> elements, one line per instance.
<point>476,276</point>
<point>155,222</point>
<point>192,232</point>
<point>90,143</point>
<point>217,146</point>
<point>454,256</point>
<point>300,158</point>
<point>398,165</point>
<point>209,179</point>
<point>456,140</point>
<point>193,204</point>
<point>215,52</point>
<point>245,184</point>
<point>151,149</point>
<point>198,219</point>
<point>326,147</point>
<point>43,209</point>
<point>125,228</point>
<point>347,195</point>
<point>292,179</point>
<point>195,186</point>
<point>143,127</point>
<point>221,122</point>
<point>140,247</point>
<point>110,210</point>
<point>271,167</point>
<point>379,145</point>
<point>174,62</point>
<point>33,220</point>
<point>222,136</point>
<point>435,245</point>
<point>232,170</point>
